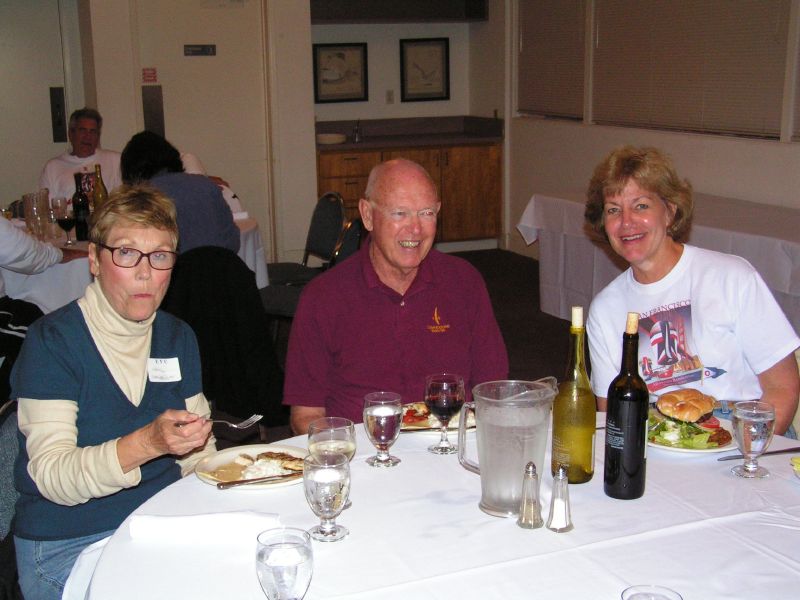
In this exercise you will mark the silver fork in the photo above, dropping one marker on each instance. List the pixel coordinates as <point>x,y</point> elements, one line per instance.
<point>248,422</point>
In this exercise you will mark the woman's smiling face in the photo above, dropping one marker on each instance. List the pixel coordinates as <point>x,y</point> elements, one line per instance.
<point>636,223</point>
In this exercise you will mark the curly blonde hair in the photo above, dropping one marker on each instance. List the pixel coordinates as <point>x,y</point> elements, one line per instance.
<point>653,171</point>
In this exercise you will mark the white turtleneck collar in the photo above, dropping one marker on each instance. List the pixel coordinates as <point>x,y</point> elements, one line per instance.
<point>123,344</point>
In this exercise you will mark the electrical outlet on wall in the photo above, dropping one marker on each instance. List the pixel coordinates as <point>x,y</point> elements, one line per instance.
<point>389,96</point>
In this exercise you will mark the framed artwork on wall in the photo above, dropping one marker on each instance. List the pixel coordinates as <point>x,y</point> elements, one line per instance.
<point>340,73</point>
<point>424,69</point>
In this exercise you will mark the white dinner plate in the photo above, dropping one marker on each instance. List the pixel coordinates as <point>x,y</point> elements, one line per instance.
<point>433,424</point>
<point>729,446</point>
<point>221,457</point>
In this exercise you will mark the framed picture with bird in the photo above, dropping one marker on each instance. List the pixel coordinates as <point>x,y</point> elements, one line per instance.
<point>424,69</point>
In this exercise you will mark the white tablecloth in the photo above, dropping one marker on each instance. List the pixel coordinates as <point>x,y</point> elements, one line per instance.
<point>66,282</point>
<point>416,532</point>
<point>574,266</point>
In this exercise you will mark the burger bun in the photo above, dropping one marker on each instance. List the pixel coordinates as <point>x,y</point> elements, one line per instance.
<point>688,405</point>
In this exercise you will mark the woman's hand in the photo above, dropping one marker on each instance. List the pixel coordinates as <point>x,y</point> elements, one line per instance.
<point>163,436</point>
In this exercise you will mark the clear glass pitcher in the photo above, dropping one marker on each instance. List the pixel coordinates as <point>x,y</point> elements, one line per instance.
<point>512,419</point>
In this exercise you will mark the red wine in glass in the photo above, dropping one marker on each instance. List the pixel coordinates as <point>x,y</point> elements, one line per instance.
<point>67,223</point>
<point>444,405</point>
<point>444,396</point>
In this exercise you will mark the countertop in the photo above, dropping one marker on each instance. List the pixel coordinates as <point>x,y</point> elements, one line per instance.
<point>414,132</point>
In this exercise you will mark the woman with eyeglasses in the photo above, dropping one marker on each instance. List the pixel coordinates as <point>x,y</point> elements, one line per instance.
<point>111,408</point>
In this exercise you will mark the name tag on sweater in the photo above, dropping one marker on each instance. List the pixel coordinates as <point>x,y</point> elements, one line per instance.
<point>162,370</point>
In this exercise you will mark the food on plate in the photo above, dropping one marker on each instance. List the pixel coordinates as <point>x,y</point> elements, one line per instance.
<point>683,419</point>
<point>416,415</point>
<point>264,464</point>
<point>685,405</point>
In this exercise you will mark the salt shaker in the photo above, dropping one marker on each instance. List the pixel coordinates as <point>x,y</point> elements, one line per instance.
<point>560,519</point>
<point>530,511</point>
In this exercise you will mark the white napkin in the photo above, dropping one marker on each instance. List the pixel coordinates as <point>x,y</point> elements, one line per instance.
<point>233,527</point>
<point>81,575</point>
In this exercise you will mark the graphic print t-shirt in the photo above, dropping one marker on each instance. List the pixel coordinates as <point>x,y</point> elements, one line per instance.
<point>710,324</point>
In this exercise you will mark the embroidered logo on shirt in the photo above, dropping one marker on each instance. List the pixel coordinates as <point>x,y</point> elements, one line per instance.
<point>437,319</point>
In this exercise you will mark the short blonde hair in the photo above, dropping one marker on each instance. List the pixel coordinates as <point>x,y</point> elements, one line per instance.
<point>141,205</point>
<point>652,171</point>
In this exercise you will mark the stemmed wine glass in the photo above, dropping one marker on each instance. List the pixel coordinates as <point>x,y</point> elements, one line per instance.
<point>284,562</point>
<point>326,481</point>
<point>444,396</point>
<point>753,426</point>
<point>383,416</point>
<point>333,434</point>
<point>64,217</point>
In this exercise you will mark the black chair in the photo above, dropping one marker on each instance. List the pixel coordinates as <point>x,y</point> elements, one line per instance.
<point>326,226</point>
<point>215,292</point>
<point>9,448</point>
<point>349,241</point>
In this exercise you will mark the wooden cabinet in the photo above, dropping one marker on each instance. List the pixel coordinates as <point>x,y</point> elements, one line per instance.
<point>345,173</point>
<point>468,179</point>
<point>470,186</point>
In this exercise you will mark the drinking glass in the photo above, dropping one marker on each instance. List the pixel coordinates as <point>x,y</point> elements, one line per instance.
<point>444,396</point>
<point>326,481</point>
<point>650,592</point>
<point>383,416</point>
<point>64,217</point>
<point>753,426</point>
<point>284,563</point>
<point>333,434</point>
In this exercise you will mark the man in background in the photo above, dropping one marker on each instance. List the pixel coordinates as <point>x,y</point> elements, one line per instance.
<point>58,173</point>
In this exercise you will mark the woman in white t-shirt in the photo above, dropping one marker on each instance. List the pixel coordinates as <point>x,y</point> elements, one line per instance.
<point>707,319</point>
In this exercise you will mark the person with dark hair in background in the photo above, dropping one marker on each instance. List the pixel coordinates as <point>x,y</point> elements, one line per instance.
<point>204,218</point>
<point>57,176</point>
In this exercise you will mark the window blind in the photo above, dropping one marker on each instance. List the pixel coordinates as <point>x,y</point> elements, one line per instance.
<point>551,57</point>
<point>698,65</point>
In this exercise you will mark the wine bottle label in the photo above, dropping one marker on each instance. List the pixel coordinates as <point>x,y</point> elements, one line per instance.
<point>615,438</point>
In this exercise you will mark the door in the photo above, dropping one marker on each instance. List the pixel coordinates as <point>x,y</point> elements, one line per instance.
<point>31,62</point>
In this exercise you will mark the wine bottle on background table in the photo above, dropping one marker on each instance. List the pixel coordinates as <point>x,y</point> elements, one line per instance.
<point>80,209</point>
<point>626,422</point>
<point>99,192</point>
<point>574,411</point>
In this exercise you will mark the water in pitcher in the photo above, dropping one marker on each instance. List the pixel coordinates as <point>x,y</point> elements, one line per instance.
<point>507,440</point>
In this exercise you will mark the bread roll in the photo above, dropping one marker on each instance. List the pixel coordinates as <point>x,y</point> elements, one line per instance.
<point>685,405</point>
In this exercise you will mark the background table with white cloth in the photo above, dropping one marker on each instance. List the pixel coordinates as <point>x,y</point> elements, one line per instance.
<point>416,532</point>
<point>63,283</point>
<point>574,265</point>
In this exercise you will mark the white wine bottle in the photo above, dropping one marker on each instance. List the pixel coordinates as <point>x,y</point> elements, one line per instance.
<point>626,422</point>
<point>574,411</point>
<point>100,193</point>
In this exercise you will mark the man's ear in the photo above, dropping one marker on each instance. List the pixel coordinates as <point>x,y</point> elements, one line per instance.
<point>365,209</point>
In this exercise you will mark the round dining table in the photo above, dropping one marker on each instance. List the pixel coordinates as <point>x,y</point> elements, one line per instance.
<point>416,532</point>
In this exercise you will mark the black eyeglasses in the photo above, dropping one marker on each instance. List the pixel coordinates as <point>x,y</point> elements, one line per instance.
<point>127,258</point>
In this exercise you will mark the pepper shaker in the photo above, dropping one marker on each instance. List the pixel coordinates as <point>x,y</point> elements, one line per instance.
<point>560,519</point>
<point>530,511</point>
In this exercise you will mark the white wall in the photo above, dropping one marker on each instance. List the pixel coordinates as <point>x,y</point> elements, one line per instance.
<point>383,62</point>
<point>30,63</point>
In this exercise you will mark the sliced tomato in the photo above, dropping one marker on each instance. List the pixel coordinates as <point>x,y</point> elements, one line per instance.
<point>710,422</point>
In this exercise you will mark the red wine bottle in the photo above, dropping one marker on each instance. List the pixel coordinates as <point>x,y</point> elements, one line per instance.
<point>80,208</point>
<point>626,422</point>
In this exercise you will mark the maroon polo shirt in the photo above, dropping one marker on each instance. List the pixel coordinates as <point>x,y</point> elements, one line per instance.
<point>352,334</point>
